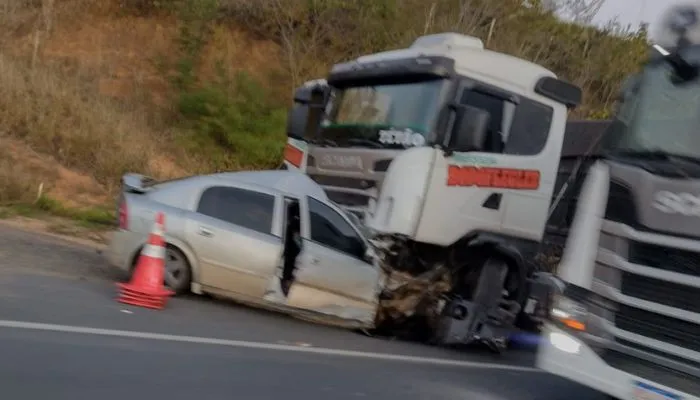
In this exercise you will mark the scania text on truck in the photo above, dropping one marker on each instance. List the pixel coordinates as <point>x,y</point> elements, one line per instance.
<point>627,318</point>
<point>449,153</point>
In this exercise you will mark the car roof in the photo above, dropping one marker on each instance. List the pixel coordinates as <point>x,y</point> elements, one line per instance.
<point>286,182</point>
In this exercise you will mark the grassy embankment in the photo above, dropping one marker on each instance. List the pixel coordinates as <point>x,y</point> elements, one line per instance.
<point>90,89</point>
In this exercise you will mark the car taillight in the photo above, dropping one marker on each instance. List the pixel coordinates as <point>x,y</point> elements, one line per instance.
<point>123,215</point>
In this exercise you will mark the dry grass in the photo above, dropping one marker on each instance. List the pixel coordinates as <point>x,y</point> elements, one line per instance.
<point>66,121</point>
<point>18,183</point>
<point>24,174</point>
<point>84,97</point>
<point>81,131</point>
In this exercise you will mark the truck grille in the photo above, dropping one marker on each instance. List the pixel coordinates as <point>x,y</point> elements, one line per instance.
<point>662,292</point>
<point>344,182</point>
<point>654,372</point>
<point>679,373</point>
<point>660,327</point>
<point>665,258</point>
<point>344,198</point>
<point>637,357</point>
<point>348,199</point>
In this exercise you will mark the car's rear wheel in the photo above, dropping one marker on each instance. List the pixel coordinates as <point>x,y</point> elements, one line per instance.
<point>178,273</point>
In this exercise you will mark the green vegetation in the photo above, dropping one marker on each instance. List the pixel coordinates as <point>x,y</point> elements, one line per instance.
<point>316,33</point>
<point>233,119</point>
<point>241,125</point>
<point>91,217</point>
<point>216,117</point>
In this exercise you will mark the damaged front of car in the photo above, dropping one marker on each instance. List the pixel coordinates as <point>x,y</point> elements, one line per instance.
<point>461,295</point>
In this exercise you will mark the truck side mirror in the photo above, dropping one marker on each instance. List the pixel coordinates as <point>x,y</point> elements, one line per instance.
<point>297,121</point>
<point>470,129</point>
<point>305,115</point>
<point>303,95</point>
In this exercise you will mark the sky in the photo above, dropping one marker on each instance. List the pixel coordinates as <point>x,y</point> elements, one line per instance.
<point>633,11</point>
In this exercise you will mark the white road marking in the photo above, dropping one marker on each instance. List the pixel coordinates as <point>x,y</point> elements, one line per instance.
<point>258,345</point>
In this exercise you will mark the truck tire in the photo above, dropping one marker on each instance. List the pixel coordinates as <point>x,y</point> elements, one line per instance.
<point>491,281</point>
<point>489,292</point>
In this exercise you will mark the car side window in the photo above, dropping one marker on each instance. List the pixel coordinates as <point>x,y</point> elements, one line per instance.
<point>329,228</point>
<point>246,208</point>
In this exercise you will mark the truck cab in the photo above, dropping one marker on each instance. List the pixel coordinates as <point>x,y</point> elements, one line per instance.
<point>626,320</point>
<point>345,131</point>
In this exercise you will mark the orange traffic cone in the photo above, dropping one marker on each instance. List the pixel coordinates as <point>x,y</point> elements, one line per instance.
<point>146,287</point>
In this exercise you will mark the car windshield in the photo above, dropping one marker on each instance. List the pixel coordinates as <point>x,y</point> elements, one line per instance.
<point>660,115</point>
<point>357,114</point>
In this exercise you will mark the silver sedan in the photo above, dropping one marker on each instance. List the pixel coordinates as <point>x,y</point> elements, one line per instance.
<point>269,239</point>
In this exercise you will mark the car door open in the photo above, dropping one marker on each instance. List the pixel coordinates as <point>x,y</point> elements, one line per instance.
<point>330,275</point>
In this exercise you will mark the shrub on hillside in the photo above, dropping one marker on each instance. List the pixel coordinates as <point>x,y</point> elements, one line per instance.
<point>236,116</point>
<point>317,33</point>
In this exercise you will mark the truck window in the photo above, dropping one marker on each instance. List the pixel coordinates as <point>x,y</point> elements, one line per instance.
<point>358,114</point>
<point>662,115</point>
<point>498,129</point>
<point>520,129</point>
<point>408,105</point>
<point>529,130</point>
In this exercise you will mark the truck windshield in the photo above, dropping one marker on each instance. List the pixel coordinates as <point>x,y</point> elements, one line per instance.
<point>660,115</point>
<point>387,115</point>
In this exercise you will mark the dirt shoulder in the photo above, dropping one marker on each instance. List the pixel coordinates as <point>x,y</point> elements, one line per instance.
<point>62,228</point>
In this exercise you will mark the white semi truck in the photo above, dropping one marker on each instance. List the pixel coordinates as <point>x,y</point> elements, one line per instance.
<point>626,320</point>
<point>449,154</point>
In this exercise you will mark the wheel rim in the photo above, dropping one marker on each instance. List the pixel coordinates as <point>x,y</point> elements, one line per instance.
<point>175,269</point>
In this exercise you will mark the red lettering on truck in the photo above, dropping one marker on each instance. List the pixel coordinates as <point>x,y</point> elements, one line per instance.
<point>501,178</point>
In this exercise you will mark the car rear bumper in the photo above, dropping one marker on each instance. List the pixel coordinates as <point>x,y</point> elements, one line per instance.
<point>122,248</point>
<point>557,356</point>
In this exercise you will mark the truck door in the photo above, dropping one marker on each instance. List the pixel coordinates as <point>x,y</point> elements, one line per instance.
<point>455,198</point>
<point>501,188</point>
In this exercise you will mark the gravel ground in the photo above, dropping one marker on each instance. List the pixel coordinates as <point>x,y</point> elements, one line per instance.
<point>31,252</point>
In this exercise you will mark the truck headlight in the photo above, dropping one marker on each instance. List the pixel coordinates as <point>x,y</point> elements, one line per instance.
<point>569,313</point>
<point>564,342</point>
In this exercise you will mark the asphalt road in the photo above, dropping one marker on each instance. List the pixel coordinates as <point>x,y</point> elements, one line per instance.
<point>62,335</point>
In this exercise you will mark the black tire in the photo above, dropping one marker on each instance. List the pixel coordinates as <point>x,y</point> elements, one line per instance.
<point>491,279</point>
<point>488,292</point>
<point>184,281</point>
<point>183,284</point>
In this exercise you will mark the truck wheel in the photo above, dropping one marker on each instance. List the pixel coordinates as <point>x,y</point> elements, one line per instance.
<point>488,295</point>
<point>489,289</point>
